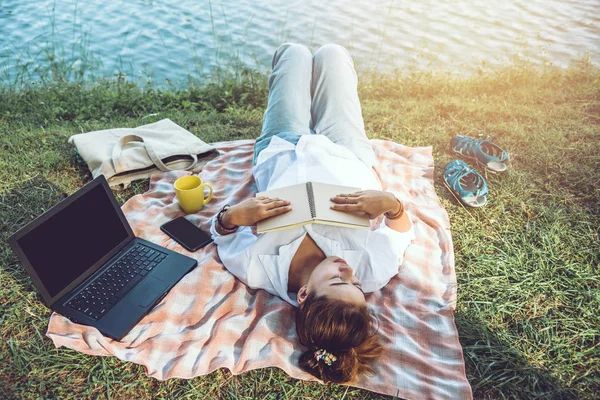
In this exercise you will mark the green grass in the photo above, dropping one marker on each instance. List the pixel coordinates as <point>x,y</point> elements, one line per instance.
<point>527,264</point>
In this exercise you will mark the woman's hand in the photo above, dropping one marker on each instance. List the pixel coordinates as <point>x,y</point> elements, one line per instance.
<point>250,211</point>
<point>371,202</point>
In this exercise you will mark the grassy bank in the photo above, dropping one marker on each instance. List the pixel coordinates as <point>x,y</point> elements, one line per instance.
<point>527,264</point>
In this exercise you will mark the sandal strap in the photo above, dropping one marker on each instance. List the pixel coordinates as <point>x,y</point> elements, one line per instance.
<point>472,147</point>
<point>503,154</point>
<point>454,176</point>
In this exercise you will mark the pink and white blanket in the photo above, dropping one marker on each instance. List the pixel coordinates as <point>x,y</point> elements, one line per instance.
<point>211,320</point>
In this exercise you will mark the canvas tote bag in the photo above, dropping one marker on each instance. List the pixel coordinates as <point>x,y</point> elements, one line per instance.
<point>123,155</point>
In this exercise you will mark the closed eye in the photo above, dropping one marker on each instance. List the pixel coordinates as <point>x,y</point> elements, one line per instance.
<point>356,285</point>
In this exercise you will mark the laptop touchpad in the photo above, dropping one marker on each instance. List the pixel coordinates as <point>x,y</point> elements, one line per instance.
<point>149,290</point>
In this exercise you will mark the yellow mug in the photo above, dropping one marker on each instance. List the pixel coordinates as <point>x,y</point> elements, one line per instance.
<point>190,193</point>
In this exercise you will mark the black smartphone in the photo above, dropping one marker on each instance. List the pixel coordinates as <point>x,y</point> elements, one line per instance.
<point>186,234</point>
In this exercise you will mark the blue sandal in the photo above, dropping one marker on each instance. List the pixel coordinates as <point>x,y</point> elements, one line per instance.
<point>483,151</point>
<point>466,184</point>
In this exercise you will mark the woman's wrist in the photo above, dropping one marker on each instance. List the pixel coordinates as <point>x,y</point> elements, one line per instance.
<point>224,225</point>
<point>227,219</point>
<point>396,211</point>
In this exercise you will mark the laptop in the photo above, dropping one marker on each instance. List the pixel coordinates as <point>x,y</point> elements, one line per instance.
<point>87,264</point>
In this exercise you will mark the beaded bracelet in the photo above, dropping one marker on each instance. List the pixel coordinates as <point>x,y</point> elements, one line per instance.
<point>220,220</point>
<point>398,214</point>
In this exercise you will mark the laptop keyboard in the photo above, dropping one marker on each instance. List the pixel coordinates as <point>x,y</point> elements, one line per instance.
<point>110,287</point>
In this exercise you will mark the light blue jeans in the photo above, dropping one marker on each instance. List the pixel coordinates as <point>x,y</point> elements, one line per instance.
<point>315,95</point>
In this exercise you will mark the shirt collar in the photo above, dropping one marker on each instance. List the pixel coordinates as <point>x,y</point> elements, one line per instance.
<point>277,269</point>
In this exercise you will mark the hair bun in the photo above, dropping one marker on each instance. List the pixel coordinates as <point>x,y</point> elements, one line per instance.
<point>336,329</point>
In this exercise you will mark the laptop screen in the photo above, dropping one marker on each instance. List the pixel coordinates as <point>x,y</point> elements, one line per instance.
<point>70,242</point>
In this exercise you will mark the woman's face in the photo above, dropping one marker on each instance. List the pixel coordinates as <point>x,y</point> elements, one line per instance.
<point>334,279</point>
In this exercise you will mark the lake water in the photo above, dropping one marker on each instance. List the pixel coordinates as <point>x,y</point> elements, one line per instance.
<point>172,40</point>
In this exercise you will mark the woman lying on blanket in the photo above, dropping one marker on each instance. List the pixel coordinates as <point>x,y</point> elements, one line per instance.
<point>313,131</point>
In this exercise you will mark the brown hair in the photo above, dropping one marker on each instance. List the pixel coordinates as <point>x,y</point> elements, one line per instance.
<point>343,329</point>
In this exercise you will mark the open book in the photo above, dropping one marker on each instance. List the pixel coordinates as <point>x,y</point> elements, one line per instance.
<point>310,204</point>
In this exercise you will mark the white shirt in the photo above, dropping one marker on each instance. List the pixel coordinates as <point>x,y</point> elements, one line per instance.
<point>263,261</point>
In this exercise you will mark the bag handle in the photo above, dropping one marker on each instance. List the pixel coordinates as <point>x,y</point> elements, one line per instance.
<point>118,148</point>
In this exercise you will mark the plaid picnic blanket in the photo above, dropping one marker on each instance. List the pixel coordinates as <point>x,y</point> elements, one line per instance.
<point>211,320</point>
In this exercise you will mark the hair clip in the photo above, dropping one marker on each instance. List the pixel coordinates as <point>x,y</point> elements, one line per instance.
<point>327,358</point>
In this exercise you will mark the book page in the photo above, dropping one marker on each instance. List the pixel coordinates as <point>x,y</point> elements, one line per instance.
<point>322,193</point>
<point>299,215</point>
